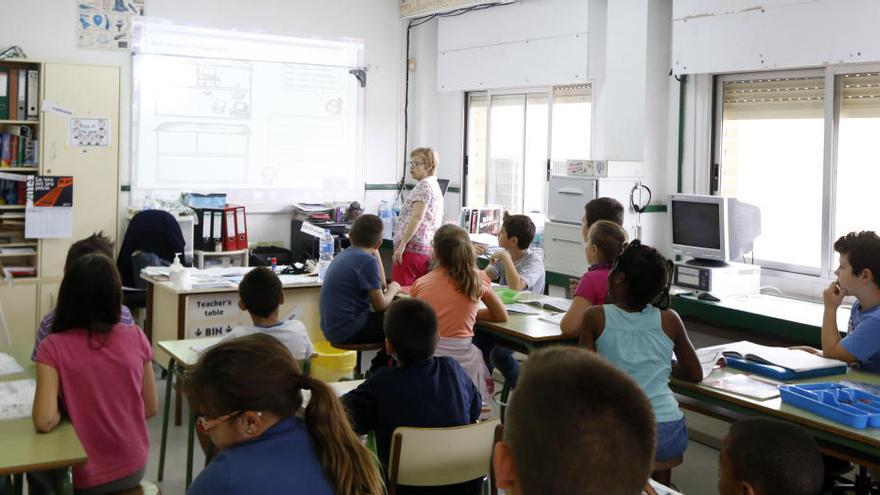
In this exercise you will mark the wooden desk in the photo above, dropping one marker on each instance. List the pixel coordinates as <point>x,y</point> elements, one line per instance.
<point>792,320</point>
<point>525,333</point>
<point>859,446</point>
<point>181,314</point>
<point>22,449</point>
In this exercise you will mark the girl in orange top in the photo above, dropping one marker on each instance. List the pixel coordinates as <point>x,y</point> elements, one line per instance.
<point>454,289</point>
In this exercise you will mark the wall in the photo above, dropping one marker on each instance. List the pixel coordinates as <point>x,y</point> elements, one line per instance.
<point>46,31</point>
<point>712,36</point>
<point>640,51</point>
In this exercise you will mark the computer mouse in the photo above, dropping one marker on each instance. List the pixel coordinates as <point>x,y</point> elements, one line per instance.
<point>705,296</point>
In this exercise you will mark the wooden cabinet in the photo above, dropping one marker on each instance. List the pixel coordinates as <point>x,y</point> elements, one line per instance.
<point>19,303</point>
<point>89,92</point>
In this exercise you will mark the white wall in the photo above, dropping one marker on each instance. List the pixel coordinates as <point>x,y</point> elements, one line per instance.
<point>712,36</point>
<point>46,31</point>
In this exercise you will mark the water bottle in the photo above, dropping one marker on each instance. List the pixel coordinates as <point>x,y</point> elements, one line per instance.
<point>385,216</point>
<point>325,257</point>
<point>148,202</point>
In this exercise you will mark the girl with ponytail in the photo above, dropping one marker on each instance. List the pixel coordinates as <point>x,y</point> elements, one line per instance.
<point>454,289</point>
<point>247,393</point>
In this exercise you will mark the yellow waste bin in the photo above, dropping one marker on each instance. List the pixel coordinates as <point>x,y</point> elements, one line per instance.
<point>330,364</point>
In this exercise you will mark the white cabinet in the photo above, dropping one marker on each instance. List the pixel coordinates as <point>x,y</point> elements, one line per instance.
<point>564,249</point>
<point>89,92</point>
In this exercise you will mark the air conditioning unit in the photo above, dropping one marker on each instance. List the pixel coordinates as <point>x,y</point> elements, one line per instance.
<point>418,8</point>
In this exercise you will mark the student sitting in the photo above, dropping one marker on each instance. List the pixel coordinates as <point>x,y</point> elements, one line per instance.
<point>99,372</point>
<point>95,243</point>
<point>603,242</point>
<point>767,456</point>
<point>354,282</point>
<point>520,270</point>
<point>575,426</point>
<point>641,339</point>
<point>262,296</point>
<point>247,392</point>
<point>454,289</point>
<point>857,276</point>
<point>604,208</point>
<point>423,391</point>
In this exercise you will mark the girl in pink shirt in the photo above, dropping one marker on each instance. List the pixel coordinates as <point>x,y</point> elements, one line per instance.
<point>604,242</point>
<point>454,289</point>
<point>99,372</point>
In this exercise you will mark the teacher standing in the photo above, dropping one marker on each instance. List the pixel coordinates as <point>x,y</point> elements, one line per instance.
<point>420,216</point>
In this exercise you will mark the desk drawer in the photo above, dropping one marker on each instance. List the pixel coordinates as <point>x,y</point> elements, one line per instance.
<point>564,249</point>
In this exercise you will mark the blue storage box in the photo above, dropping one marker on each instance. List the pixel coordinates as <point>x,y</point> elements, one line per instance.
<point>852,407</point>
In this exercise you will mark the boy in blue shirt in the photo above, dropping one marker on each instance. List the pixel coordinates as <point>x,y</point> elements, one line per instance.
<point>354,281</point>
<point>857,276</point>
<point>423,391</point>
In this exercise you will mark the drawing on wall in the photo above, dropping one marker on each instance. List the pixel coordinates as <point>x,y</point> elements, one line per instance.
<point>201,89</point>
<point>89,133</point>
<point>106,23</point>
<point>216,152</point>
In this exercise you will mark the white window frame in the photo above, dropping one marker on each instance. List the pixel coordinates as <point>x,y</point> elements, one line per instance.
<point>547,91</point>
<point>783,271</point>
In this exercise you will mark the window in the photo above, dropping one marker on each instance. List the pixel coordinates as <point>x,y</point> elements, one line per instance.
<point>263,118</point>
<point>513,136</point>
<point>803,152</point>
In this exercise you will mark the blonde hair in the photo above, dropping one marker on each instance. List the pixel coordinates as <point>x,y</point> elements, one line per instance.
<point>429,158</point>
<point>608,237</point>
<point>454,252</point>
<point>257,372</point>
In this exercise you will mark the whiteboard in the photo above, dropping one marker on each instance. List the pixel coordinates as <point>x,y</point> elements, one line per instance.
<point>249,121</point>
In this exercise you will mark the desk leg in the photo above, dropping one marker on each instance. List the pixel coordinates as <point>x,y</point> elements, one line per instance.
<point>189,449</point>
<point>505,394</point>
<point>166,409</point>
<point>64,481</point>
<point>862,482</point>
<point>148,317</point>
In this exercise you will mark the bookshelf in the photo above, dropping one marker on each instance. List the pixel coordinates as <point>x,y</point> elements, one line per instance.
<point>92,92</point>
<point>19,157</point>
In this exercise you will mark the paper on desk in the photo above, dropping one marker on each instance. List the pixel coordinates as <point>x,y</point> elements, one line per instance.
<point>296,279</point>
<point>17,398</point>
<point>661,489</point>
<point>155,271</point>
<point>522,308</point>
<point>554,318</point>
<point>708,359</point>
<point>8,365</point>
<point>742,384</point>
<point>200,347</point>
<point>225,271</point>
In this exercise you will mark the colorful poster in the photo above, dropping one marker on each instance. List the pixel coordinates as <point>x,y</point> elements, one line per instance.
<point>49,207</point>
<point>106,24</point>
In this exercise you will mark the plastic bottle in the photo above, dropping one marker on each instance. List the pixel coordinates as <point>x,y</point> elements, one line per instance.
<point>179,276</point>
<point>274,262</point>
<point>385,215</point>
<point>325,257</point>
<point>148,202</point>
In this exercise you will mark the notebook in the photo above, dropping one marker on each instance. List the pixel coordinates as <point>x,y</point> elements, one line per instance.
<point>552,303</point>
<point>792,359</point>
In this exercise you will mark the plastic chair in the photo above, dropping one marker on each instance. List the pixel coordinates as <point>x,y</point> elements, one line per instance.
<point>359,348</point>
<point>441,456</point>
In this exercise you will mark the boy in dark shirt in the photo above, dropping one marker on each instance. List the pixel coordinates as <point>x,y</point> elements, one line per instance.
<point>423,391</point>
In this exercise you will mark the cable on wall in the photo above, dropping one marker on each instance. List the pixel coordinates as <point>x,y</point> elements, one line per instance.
<point>414,23</point>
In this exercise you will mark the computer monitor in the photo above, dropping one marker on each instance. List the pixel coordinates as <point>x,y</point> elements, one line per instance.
<point>712,229</point>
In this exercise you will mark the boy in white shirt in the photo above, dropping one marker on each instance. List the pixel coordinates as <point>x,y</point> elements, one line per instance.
<point>261,296</point>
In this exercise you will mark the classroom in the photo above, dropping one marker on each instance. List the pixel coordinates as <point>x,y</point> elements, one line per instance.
<point>505,180</point>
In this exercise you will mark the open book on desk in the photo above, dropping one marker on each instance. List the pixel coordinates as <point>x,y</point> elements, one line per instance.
<point>560,304</point>
<point>780,363</point>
